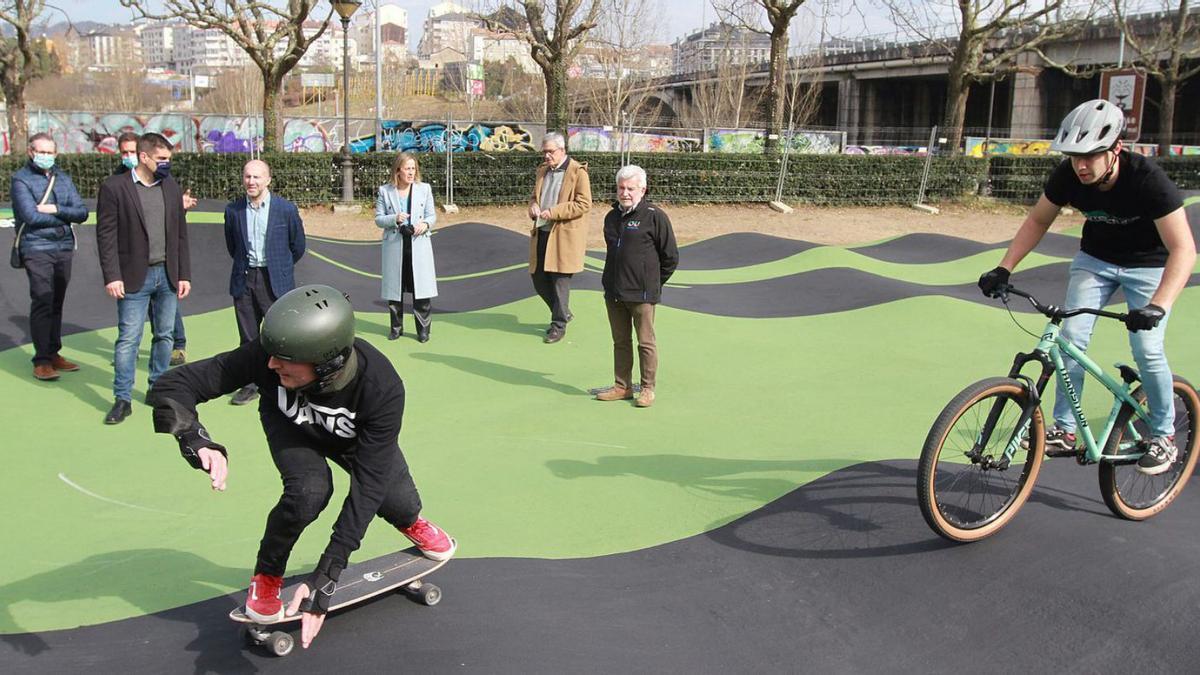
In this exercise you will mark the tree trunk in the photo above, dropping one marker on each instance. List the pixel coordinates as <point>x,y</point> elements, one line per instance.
<point>1166,119</point>
<point>272,120</point>
<point>556,96</point>
<point>957,91</point>
<point>18,119</point>
<point>775,90</point>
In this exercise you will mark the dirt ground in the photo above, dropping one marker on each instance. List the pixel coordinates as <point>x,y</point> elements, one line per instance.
<point>980,220</point>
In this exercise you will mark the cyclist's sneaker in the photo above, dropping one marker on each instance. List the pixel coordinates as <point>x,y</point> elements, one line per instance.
<point>1160,453</point>
<point>1059,442</point>
<point>262,602</point>
<point>434,543</point>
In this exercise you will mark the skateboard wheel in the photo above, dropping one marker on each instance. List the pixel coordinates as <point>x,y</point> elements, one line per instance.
<point>281,643</point>
<point>429,594</point>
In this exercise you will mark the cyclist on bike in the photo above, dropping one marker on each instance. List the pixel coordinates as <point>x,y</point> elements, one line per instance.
<point>1136,239</point>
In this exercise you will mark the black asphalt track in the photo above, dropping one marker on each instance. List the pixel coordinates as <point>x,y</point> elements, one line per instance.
<point>474,250</point>
<point>925,248</point>
<point>841,575</point>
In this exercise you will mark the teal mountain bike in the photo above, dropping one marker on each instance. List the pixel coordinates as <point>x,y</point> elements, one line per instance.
<point>983,454</point>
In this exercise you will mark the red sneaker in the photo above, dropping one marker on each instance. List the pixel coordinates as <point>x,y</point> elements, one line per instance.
<point>431,539</point>
<point>263,603</point>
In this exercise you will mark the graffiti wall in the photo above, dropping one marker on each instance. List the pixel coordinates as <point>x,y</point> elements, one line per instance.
<point>919,150</point>
<point>751,141</point>
<point>403,136</point>
<point>599,139</point>
<point>77,132</point>
<point>1008,146</point>
<point>974,146</point>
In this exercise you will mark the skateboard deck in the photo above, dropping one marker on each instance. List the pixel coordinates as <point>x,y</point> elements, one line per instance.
<point>402,570</point>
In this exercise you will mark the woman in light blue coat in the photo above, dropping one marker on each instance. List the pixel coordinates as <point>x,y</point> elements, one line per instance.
<point>404,209</point>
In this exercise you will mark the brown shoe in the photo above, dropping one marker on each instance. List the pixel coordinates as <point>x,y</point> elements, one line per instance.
<point>45,372</point>
<point>59,363</point>
<point>615,394</point>
<point>645,399</point>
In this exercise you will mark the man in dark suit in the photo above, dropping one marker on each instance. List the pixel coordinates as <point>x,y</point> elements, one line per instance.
<point>141,235</point>
<point>265,238</point>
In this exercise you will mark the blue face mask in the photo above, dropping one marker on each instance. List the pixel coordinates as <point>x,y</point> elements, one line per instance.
<point>162,171</point>
<point>43,161</point>
<point>129,162</point>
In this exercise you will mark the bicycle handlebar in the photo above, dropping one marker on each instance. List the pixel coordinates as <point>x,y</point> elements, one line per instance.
<point>1051,311</point>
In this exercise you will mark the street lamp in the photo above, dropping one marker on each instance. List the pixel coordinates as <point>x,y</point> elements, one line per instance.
<point>345,9</point>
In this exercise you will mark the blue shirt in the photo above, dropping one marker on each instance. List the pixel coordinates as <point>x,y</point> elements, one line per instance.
<point>256,230</point>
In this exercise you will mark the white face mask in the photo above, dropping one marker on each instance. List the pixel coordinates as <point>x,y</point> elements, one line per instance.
<point>43,160</point>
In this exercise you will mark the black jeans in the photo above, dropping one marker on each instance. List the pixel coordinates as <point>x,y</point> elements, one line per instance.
<point>553,287</point>
<point>307,489</point>
<point>254,303</point>
<point>49,273</point>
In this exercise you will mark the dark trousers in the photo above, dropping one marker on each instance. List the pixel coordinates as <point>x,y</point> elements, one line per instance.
<point>49,272</point>
<point>307,488</point>
<point>252,306</point>
<point>554,288</point>
<point>622,316</point>
<point>422,307</point>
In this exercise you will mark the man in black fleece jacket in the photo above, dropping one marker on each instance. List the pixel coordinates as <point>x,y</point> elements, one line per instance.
<point>641,257</point>
<point>327,395</point>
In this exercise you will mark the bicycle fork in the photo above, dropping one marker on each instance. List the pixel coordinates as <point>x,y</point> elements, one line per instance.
<point>1034,397</point>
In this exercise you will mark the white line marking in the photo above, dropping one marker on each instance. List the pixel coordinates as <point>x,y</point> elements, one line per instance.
<point>68,481</point>
<point>559,440</point>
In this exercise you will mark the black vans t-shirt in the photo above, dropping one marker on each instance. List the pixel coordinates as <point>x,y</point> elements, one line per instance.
<point>1120,222</point>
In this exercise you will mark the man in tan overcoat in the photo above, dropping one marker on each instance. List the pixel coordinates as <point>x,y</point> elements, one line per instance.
<point>562,196</point>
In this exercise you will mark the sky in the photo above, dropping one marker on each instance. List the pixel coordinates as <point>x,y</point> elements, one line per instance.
<point>680,17</point>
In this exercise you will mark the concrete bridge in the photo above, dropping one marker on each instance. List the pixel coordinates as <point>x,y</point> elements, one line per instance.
<point>892,93</point>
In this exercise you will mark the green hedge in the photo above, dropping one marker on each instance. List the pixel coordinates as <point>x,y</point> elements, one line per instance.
<point>507,178</point>
<point>1022,178</point>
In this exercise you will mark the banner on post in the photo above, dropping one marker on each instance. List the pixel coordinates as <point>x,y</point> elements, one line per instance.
<point>1126,89</point>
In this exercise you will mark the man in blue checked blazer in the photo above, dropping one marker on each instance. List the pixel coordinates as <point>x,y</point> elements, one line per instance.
<point>265,238</point>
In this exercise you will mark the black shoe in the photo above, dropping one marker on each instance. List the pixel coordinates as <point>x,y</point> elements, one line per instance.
<point>120,410</point>
<point>244,395</point>
<point>422,335</point>
<point>553,335</point>
<point>395,333</point>
<point>569,317</point>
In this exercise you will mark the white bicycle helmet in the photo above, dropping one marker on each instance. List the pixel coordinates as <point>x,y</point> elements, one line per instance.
<point>1091,127</point>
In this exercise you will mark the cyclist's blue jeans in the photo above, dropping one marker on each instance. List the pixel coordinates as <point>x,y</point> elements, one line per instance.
<point>131,317</point>
<point>1092,284</point>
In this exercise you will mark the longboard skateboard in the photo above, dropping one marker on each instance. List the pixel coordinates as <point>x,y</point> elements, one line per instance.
<point>402,570</point>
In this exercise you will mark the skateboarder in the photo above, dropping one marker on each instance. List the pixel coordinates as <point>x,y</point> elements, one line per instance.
<point>327,396</point>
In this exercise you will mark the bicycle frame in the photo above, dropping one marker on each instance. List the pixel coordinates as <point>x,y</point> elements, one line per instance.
<point>1049,353</point>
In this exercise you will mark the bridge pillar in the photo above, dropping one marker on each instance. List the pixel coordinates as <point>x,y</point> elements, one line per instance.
<point>847,108</point>
<point>1028,103</point>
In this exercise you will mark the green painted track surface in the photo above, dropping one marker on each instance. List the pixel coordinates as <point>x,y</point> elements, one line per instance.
<point>510,453</point>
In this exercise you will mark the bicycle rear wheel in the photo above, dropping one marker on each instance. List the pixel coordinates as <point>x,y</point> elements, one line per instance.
<point>1132,494</point>
<point>967,491</point>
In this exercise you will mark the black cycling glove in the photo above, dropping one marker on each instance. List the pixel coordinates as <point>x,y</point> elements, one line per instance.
<point>993,280</point>
<point>1144,318</point>
<point>322,583</point>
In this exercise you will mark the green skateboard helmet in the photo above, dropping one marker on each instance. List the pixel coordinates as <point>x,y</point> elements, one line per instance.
<point>310,324</point>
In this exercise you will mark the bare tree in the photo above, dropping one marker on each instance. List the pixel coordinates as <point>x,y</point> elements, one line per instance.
<point>617,48</point>
<point>554,30</point>
<point>720,97</point>
<point>1161,54</point>
<point>989,36</point>
<point>779,14</point>
<point>236,91</point>
<point>17,60</point>
<point>274,38</point>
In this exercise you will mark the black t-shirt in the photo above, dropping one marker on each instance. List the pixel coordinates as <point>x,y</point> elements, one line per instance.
<point>1120,222</point>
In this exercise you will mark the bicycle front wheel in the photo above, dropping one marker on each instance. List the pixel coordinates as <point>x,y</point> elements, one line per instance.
<point>1131,494</point>
<point>966,486</point>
